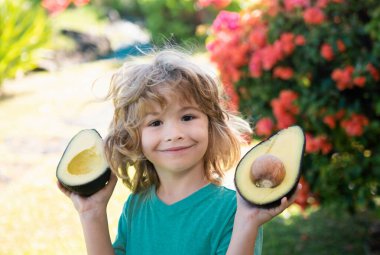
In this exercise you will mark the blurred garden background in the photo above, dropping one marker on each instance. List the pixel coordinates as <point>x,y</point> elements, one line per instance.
<point>314,63</point>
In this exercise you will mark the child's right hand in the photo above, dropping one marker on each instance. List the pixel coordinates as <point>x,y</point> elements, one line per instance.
<point>95,203</point>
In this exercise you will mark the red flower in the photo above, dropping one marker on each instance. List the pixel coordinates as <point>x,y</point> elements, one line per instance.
<point>284,109</point>
<point>293,4</point>
<point>323,144</point>
<point>287,98</point>
<point>359,81</point>
<point>372,70</point>
<point>300,40</point>
<point>226,21</point>
<point>55,6</point>
<point>340,114</point>
<point>311,146</point>
<point>317,144</point>
<point>270,56</point>
<point>326,148</point>
<point>341,46</point>
<point>329,120</point>
<point>344,80</point>
<point>287,43</point>
<point>343,77</point>
<point>218,4</point>
<point>355,124</point>
<point>285,120</point>
<point>229,61</point>
<point>327,52</point>
<point>255,68</point>
<point>284,73</point>
<point>264,127</point>
<point>258,37</point>
<point>304,195</point>
<point>313,16</point>
<point>322,3</point>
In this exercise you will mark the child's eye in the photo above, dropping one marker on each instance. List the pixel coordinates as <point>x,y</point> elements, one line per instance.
<point>155,123</point>
<point>188,117</point>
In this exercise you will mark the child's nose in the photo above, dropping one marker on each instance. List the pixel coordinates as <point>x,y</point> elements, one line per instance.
<point>174,132</point>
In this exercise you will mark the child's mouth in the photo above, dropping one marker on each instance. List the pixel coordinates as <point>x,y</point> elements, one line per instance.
<point>177,148</point>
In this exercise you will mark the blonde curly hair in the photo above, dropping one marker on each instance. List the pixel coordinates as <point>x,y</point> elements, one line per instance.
<point>135,85</point>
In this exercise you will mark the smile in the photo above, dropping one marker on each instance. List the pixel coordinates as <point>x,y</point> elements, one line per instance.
<point>177,148</point>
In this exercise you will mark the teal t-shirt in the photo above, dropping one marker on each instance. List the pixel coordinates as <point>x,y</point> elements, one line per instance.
<point>200,224</point>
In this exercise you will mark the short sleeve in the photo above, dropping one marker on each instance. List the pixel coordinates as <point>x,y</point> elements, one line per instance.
<point>226,237</point>
<point>259,241</point>
<point>119,244</point>
<point>223,247</point>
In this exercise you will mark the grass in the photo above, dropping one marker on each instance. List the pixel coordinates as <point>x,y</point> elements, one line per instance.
<point>319,232</point>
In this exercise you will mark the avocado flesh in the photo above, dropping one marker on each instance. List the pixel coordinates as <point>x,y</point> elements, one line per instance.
<point>83,167</point>
<point>288,146</point>
<point>85,162</point>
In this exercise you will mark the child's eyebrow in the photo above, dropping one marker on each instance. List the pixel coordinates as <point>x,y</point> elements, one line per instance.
<point>151,114</point>
<point>185,108</point>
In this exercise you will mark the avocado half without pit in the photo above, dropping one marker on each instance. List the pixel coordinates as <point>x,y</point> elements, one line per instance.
<point>271,170</point>
<point>83,168</point>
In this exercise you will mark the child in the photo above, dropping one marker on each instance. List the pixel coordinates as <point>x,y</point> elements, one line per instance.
<point>170,124</point>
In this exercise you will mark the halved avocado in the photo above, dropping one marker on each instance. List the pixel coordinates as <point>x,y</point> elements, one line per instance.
<point>271,169</point>
<point>83,168</point>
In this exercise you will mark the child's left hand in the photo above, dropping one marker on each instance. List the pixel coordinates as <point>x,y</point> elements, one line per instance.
<point>259,216</point>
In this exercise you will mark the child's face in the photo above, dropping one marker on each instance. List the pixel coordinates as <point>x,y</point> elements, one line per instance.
<point>175,138</point>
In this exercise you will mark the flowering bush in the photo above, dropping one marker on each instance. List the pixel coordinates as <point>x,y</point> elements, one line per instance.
<point>315,63</point>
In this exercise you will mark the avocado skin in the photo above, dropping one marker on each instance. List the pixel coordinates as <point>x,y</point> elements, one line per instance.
<point>288,195</point>
<point>92,187</point>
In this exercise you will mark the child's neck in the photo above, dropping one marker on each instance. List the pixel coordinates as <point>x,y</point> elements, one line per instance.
<point>172,191</point>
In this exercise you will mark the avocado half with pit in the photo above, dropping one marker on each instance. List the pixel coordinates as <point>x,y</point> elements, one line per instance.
<point>271,170</point>
<point>83,168</point>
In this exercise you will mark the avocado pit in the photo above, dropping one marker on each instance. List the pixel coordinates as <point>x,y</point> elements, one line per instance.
<point>267,171</point>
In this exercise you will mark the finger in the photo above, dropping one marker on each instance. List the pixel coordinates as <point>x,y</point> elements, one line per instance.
<point>285,202</point>
<point>111,183</point>
<point>65,191</point>
<point>295,195</point>
<point>113,180</point>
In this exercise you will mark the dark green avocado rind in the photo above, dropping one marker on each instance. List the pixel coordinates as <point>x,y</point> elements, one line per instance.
<point>92,187</point>
<point>288,195</point>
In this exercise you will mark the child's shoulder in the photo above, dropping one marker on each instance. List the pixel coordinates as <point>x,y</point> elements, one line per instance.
<point>225,190</point>
<point>224,194</point>
<point>139,197</point>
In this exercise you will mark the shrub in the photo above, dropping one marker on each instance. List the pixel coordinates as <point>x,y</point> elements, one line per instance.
<point>177,21</point>
<point>314,63</point>
<point>167,19</point>
<point>23,30</point>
